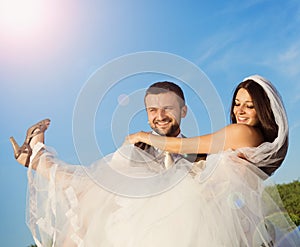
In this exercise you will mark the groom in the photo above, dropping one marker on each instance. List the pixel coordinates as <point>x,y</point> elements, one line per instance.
<point>165,106</point>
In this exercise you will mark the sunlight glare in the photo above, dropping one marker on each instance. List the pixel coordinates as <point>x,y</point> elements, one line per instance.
<point>20,17</point>
<point>33,31</point>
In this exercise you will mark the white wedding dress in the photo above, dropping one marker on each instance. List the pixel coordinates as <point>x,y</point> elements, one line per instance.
<point>127,199</point>
<point>221,202</point>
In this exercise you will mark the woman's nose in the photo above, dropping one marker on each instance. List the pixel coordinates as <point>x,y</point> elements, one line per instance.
<point>241,109</point>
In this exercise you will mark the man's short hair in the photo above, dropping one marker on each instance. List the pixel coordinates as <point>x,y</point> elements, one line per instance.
<point>165,87</point>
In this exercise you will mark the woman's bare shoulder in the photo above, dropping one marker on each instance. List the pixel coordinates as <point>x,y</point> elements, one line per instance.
<point>243,135</point>
<point>240,127</point>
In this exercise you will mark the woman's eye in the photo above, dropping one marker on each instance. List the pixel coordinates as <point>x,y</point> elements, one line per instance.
<point>250,106</point>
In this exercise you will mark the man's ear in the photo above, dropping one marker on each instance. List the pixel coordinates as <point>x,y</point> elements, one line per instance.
<point>183,111</point>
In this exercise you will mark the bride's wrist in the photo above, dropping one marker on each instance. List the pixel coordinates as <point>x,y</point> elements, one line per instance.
<point>144,137</point>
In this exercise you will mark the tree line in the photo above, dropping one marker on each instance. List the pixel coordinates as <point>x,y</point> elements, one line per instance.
<point>290,196</point>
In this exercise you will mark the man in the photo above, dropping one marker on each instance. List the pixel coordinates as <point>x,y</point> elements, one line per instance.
<point>165,106</point>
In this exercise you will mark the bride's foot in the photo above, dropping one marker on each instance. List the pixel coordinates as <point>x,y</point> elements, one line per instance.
<point>34,135</point>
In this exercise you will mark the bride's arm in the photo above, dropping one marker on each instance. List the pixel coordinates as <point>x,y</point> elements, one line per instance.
<point>231,137</point>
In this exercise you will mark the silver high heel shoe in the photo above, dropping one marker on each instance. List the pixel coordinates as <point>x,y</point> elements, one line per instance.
<point>23,153</point>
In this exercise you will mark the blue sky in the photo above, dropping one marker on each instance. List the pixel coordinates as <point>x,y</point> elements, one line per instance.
<point>50,49</point>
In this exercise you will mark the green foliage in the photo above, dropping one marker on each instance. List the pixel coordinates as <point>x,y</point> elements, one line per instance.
<point>290,196</point>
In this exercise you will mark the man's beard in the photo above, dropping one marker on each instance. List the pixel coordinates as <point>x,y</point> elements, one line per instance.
<point>173,131</point>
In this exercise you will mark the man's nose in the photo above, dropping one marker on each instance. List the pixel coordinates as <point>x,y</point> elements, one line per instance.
<point>161,113</point>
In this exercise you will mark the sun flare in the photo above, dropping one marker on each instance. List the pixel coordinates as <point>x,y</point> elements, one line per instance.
<point>31,30</point>
<point>20,17</point>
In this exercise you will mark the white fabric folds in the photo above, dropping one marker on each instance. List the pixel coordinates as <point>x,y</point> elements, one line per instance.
<point>225,203</point>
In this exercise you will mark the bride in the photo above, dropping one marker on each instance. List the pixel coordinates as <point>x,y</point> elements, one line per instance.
<point>223,201</point>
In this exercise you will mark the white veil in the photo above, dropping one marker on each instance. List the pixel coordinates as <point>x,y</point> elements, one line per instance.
<point>269,154</point>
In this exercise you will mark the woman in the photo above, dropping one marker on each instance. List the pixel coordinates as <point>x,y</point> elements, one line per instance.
<point>223,203</point>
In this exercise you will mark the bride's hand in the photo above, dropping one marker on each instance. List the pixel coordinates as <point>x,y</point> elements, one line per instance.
<point>135,138</point>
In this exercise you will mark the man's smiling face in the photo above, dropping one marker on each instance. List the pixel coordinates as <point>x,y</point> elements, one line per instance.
<point>164,113</point>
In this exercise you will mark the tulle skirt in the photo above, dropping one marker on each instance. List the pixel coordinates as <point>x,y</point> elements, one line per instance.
<point>127,199</point>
